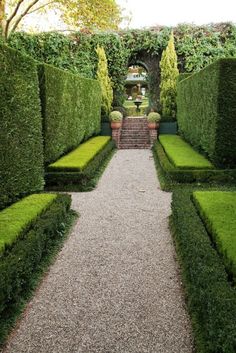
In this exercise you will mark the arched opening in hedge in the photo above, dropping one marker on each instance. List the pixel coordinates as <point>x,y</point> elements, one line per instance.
<point>150,62</point>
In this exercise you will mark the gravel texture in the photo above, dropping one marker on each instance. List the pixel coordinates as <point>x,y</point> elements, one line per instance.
<point>115,286</point>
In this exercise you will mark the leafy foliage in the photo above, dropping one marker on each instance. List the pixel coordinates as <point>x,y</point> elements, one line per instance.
<point>169,74</point>
<point>105,82</point>
<point>196,47</point>
<point>153,117</point>
<point>88,14</point>
<point>115,116</point>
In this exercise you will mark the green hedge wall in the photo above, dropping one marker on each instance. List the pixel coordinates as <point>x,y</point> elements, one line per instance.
<point>206,110</point>
<point>21,144</point>
<point>183,76</point>
<point>71,108</point>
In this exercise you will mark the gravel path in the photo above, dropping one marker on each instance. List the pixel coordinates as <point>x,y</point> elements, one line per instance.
<point>115,286</point>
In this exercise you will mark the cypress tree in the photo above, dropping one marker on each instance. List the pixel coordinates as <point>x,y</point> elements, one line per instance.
<point>169,74</point>
<point>105,82</point>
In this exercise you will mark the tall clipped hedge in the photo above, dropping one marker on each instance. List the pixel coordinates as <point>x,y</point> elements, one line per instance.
<point>71,108</point>
<point>206,111</point>
<point>21,145</point>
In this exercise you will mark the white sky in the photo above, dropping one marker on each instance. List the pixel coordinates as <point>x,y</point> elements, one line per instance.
<point>146,13</point>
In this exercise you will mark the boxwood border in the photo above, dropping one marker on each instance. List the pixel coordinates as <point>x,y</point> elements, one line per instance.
<point>211,298</point>
<point>79,178</point>
<point>191,176</point>
<point>22,265</point>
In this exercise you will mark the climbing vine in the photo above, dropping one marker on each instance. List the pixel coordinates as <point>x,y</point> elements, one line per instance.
<point>196,46</point>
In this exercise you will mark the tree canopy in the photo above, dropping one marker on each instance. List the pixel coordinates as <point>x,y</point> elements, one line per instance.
<point>81,14</point>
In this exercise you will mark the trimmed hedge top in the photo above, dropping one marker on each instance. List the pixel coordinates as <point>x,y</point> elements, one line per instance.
<point>78,159</point>
<point>71,107</point>
<point>15,219</point>
<point>206,110</point>
<point>182,155</point>
<point>21,142</point>
<point>218,211</point>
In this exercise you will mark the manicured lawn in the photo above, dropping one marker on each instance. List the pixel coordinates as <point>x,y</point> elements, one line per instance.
<point>218,211</point>
<point>16,218</point>
<point>79,158</point>
<point>182,155</point>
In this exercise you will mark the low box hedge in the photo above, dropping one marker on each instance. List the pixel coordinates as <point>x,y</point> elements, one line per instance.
<point>178,175</point>
<point>20,261</point>
<point>82,163</point>
<point>78,159</point>
<point>15,219</point>
<point>218,212</point>
<point>211,298</point>
<point>182,155</point>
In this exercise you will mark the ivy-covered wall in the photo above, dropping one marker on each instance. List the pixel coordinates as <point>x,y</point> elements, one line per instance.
<point>196,46</point>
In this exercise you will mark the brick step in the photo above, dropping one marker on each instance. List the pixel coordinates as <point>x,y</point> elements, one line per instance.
<point>139,123</point>
<point>133,128</point>
<point>134,140</point>
<point>135,147</point>
<point>146,131</point>
<point>135,121</point>
<point>134,135</point>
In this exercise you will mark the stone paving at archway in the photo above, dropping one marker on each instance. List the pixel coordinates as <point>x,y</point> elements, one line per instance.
<point>115,286</point>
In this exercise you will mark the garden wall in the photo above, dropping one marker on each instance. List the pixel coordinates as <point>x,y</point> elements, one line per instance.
<point>21,144</point>
<point>206,111</point>
<point>71,108</point>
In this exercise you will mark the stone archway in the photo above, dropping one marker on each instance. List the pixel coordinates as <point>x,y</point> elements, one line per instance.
<point>150,63</point>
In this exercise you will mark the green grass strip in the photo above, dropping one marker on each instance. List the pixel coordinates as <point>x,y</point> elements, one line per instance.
<point>218,211</point>
<point>78,159</point>
<point>18,217</point>
<point>182,155</point>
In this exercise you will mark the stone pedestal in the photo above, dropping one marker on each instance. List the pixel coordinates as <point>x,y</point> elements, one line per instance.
<point>116,136</point>
<point>153,136</point>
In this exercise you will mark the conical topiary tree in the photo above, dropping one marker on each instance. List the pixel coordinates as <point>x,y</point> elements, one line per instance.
<point>169,74</point>
<point>105,82</point>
